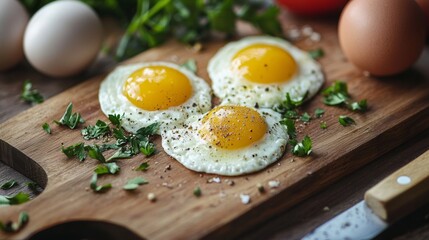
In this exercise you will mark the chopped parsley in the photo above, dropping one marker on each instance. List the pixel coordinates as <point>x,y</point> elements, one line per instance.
<point>337,95</point>
<point>290,104</point>
<point>305,117</point>
<point>30,95</point>
<point>122,153</point>
<point>98,188</point>
<point>303,148</point>
<point>70,119</point>
<point>197,191</point>
<point>107,168</point>
<point>116,120</point>
<point>290,127</point>
<point>77,150</point>
<point>15,226</point>
<point>148,131</point>
<point>191,65</point>
<point>95,152</point>
<point>9,184</point>
<point>147,149</point>
<point>98,130</point>
<point>316,53</point>
<point>143,167</point>
<point>134,183</point>
<point>319,112</point>
<point>14,200</point>
<point>291,114</point>
<point>323,125</point>
<point>47,128</point>
<point>345,120</point>
<point>360,106</point>
<point>34,187</point>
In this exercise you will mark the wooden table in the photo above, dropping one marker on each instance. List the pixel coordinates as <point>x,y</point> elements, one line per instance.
<point>291,224</point>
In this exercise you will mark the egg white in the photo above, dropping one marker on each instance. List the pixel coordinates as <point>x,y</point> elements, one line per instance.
<point>112,100</point>
<point>186,146</point>
<point>232,90</point>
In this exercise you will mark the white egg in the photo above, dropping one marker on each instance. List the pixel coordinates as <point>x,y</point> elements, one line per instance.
<point>63,38</point>
<point>13,20</point>
<point>228,140</point>
<point>261,70</point>
<point>153,92</point>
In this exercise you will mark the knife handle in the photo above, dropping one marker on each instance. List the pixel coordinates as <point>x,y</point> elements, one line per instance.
<point>402,192</point>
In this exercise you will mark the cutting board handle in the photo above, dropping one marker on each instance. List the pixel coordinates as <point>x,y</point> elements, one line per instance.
<point>402,192</point>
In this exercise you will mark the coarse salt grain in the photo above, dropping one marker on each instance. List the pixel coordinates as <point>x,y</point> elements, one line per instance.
<point>245,199</point>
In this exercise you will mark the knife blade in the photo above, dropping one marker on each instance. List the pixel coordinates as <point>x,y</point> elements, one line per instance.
<point>394,197</point>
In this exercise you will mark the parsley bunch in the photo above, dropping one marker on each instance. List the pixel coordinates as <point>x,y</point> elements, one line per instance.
<point>149,23</point>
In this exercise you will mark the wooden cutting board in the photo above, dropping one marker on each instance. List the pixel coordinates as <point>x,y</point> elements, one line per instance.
<point>399,109</point>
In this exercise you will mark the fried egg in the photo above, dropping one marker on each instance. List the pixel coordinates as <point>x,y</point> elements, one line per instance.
<point>154,92</point>
<point>228,140</point>
<point>260,70</point>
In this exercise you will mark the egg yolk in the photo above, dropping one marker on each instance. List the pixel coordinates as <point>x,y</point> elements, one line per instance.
<point>157,88</point>
<point>263,63</point>
<point>232,127</point>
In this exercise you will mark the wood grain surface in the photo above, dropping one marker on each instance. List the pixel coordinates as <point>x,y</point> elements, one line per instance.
<point>397,107</point>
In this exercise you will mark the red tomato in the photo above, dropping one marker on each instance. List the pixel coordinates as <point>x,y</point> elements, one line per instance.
<point>313,7</point>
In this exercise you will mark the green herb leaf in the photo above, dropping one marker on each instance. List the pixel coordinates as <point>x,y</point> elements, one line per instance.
<point>290,126</point>
<point>94,152</point>
<point>191,65</point>
<point>14,200</point>
<point>345,120</point>
<point>148,131</point>
<point>197,191</point>
<point>107,168</point>
<point>134,183</point>
<point>290,104</point>
<point>143,167</point>
<point>303,148</point>
<point>305,117</point>
<point>30,95</point>
<point>323,125</point>
<point>98,130</point>
<point>34,187</point>
<point>147,148</point>
<point>9,184</point>
<point>47,128</point>
<point>15,227</point>
<point>76,150</point>
<point>119,134</point>
<point>319,112</point>
<point>360,106</point>
<point>108,146</point>
<point>96,188</point>
<point>338,95</point>
<point>291,114</point>
<point>70,119</point>
<point>121,154</point>
<point>116,120</point>
<point>316,53</point>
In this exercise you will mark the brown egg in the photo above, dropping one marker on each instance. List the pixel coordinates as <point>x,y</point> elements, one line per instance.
<point>424,4</point>
<point>383,37</point>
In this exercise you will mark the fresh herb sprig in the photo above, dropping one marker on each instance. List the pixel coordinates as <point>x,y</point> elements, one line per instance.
<point>30,95</point>
<point>337,95</point>
<point>134,183</point>
<point>70,119</point>
<point>9,184</point>
<point>15,226</point>
<point>18,198</point>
